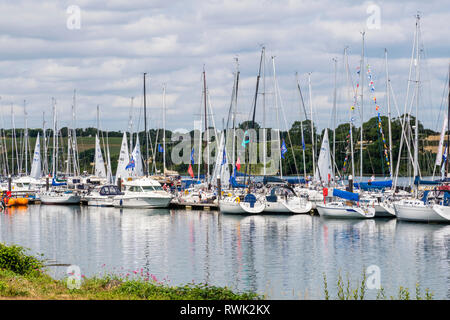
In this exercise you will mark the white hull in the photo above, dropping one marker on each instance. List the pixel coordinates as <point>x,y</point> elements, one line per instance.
<point>294,206</point>
<point>141,202</point>
<point>443,211</point>
<point>232,207</point>
<point>100,202</point>
<point>59,198</point>
<point>384,210</point>
<point>421,213</point>
<point>345,212</point>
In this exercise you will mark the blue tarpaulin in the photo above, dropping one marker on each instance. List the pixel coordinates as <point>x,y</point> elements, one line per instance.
<point>295,180</point>
<point>54,183</point>
<point>345,195</point>
<point>418,181</point>
<point>374,185</point>
<point>234,183</point>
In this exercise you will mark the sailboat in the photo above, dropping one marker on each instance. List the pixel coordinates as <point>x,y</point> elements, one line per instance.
<point>284,199</point>
<point>350,209</point>
<point>244,203</point>
<point>415,209</point>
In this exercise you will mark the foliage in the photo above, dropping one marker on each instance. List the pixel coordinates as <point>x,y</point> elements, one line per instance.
<point>13,258</point>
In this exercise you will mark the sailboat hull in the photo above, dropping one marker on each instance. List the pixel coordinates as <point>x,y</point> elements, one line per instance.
<point>420,213</point>
<point>345,212</point>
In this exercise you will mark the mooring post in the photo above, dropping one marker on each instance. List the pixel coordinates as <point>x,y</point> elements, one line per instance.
<point>350,183</point>
<point>119,183</point>
<point>9,183</point>
<point>219,188</point>
<point>46,184</point>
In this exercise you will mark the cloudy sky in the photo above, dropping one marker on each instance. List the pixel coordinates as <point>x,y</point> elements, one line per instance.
<point>44,54</point>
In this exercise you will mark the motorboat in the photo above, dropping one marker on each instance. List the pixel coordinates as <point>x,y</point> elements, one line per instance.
<point>142,193</point>
<point>102,196</point>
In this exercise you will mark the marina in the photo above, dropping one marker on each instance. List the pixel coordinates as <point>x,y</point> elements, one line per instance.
<point>282,256</point>
<point>215,157</point>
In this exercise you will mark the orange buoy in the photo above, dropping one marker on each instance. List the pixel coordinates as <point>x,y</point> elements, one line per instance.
<point>11,202</point>
<point>22,201</point>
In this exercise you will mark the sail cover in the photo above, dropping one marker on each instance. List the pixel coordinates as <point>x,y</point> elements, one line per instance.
<point>346,195</point>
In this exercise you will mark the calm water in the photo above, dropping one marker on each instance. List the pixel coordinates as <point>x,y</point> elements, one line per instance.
<point>281,256</point>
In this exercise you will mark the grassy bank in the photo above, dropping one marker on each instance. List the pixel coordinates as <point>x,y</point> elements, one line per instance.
<point>23,277</point>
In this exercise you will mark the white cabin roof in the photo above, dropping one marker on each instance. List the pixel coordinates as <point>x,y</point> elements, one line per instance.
<point>142,182</point>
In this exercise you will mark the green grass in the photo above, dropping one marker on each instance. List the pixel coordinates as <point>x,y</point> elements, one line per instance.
<point>23,277</point>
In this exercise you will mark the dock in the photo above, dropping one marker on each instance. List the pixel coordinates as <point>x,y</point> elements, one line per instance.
<point>194,206</point>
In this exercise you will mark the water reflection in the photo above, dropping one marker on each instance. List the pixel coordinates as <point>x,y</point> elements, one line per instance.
<point>284,257</point>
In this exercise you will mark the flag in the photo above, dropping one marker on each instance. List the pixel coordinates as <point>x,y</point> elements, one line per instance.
<point>444,159</point>
<point>130,164</point>
<point>190,171</point>
<point>303,143</point>
<point>283,149</point>
<point>160,148</point>
<point>238,164</point>
<point>244,142</point>
<point>192,156</point>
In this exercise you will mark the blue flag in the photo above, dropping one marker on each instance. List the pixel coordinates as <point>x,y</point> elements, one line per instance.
<point>224,157</point>
<point>160,148</point>
<point>283,149</point>
<point>303,144</point>
<point>131,164</point>
<point>192,156</point>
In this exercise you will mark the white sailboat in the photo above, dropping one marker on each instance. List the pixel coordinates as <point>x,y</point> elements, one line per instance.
<point>350,209</point>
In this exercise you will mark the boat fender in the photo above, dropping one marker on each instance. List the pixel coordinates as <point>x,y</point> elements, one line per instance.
<point>237,199</point>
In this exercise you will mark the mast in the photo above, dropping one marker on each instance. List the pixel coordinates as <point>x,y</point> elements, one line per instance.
<point>362,68</point>
<point>301,125</point>
<point>312,125</point>
<point>264,110</point>
<point>416,129</point>
<point>334,118</point>
<point>44,135</point>
<point>145,129</point>
<point>254,110</point>
<point>233,153</point>
<point>448,120</point>
<point>164,129</point>
<point>389,114</point>
<point>26,136</point>
<point>277,112</point>
<point>54,168</point>
<point>350,122</point>
<point>206,126</point>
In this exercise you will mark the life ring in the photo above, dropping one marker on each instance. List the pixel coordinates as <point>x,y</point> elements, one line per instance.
<point>237,199</point>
